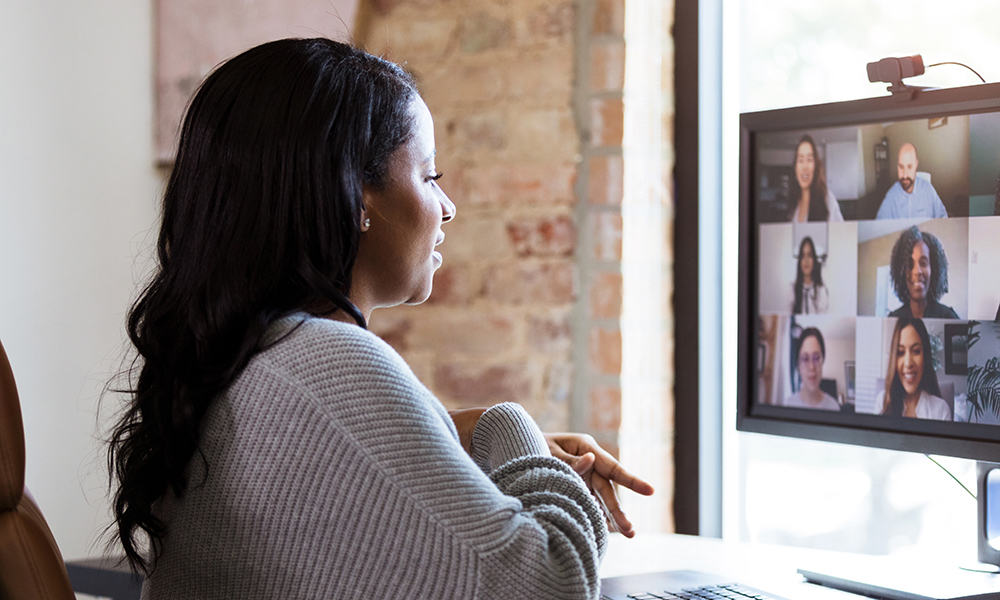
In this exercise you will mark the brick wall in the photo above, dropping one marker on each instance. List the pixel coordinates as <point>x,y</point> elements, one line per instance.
<point>528,107</point>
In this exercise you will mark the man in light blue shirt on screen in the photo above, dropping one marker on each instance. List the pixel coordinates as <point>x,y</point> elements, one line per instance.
<point>910,196</point>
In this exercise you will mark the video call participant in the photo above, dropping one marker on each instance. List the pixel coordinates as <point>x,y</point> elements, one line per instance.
<point>811,352</point>
<point>919,270</point>
<point>911,384</point>
<point>910,196</point>
<point>811,199</point>
<point>809,295</point>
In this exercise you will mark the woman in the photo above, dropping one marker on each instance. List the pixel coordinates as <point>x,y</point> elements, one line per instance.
<point>911,384</point>
<point>273,447</point>
<point>811,352</point>
<point>811,199</point>
<point>919,270</point>
<point>809,295</point>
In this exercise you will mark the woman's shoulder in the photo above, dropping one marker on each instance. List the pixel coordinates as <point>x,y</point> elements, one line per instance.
<point>303,333</point>
<point>933,407</point>
<point>879,402</point>
<point>936,310</point>
<point>833,206</point>
<point>316,349</point>
<point>339,366</point>
<point>829,402</point>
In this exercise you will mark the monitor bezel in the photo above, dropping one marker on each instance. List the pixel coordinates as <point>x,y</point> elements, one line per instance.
<point>926,104</point>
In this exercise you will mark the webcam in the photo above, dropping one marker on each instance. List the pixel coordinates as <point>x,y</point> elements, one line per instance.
<point>894,70</point>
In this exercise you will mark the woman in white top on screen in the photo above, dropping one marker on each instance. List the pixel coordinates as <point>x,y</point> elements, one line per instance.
<point>809,295</point>
<point>813,200</point>
<point>911,384</point>
<point>812,354</point>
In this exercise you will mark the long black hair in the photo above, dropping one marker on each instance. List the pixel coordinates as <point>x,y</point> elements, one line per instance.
<point>818,210</point>
<point>261,218</point>
<point>894,391</point>
<point>901,263</point>
<point>817,275</point>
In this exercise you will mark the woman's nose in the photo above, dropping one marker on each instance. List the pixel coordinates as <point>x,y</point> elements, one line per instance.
<point>448,208</point>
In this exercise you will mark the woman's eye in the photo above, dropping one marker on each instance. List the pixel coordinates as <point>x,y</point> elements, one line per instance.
<point>435,176</point>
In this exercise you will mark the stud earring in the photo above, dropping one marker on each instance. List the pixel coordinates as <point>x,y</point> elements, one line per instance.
<point>367,223</point>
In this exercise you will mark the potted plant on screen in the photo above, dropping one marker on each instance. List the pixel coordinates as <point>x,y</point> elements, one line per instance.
<point>984,380</point>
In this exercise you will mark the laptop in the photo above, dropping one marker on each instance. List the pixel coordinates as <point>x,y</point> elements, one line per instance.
<point>678,585</point>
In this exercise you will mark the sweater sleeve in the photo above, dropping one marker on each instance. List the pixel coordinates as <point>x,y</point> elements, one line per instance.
<point>559,529</point>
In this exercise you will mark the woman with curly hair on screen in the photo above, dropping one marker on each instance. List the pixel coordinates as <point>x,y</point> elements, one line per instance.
<point>911,385</point>
<point>919,270</point>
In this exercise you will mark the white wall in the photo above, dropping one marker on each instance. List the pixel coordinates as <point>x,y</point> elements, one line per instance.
<point>78,202</point>
<point>984,264</point>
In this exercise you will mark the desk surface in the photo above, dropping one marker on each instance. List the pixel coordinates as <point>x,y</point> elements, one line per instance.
<point>769,568</point>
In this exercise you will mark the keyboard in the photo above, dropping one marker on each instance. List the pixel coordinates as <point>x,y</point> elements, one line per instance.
<point>730,591</point>
<point>679,585</point>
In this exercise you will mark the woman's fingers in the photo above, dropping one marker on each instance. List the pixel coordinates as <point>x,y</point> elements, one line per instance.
<point>612,470</point>
<point>601,471</point>
<point>605,493</point>
<point>581,464</point>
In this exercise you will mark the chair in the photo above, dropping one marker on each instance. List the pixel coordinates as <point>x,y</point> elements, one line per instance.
<point>31,565</point>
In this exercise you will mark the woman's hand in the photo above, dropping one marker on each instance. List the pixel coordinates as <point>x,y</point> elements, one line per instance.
<point>600,471</point>
<point>465,421</point>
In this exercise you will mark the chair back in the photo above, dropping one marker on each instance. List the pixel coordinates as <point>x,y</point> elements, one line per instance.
<point>31,566</point>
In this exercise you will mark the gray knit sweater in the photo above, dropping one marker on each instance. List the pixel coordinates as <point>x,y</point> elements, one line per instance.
<point>333,473</point>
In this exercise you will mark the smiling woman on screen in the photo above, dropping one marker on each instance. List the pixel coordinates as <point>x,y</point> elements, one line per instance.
<point>911,385</point>
<point>919,270</point>
<point>810,196</point>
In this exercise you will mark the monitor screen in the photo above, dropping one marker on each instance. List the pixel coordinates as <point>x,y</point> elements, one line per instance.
<point>870,272</point>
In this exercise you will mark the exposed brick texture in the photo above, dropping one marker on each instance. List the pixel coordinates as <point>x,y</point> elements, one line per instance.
<point>608,236</point>
<point>605,409</point>
<point>605,349</point>
<point>608,66</point>
<point>606,295</point>
<point>468,385</point>
<point>607,121</point>
<point>609,17</point>
<point>506,184</point>
<point>532,284</point>
<point>605,183</point>
<point>549,236</point>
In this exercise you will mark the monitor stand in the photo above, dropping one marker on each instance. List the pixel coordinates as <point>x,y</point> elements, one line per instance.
<point>887,577</point>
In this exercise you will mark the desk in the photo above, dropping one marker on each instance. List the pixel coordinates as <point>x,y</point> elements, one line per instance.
<point>768,568</point>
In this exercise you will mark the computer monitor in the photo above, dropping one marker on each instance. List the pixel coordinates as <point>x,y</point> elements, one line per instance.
<point>869,272</point>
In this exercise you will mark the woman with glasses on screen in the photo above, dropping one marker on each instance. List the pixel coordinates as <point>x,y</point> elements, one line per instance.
<point>809,295</point>
<point>811,352</point>
<point>809,195</point>
<point>911,385</point>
